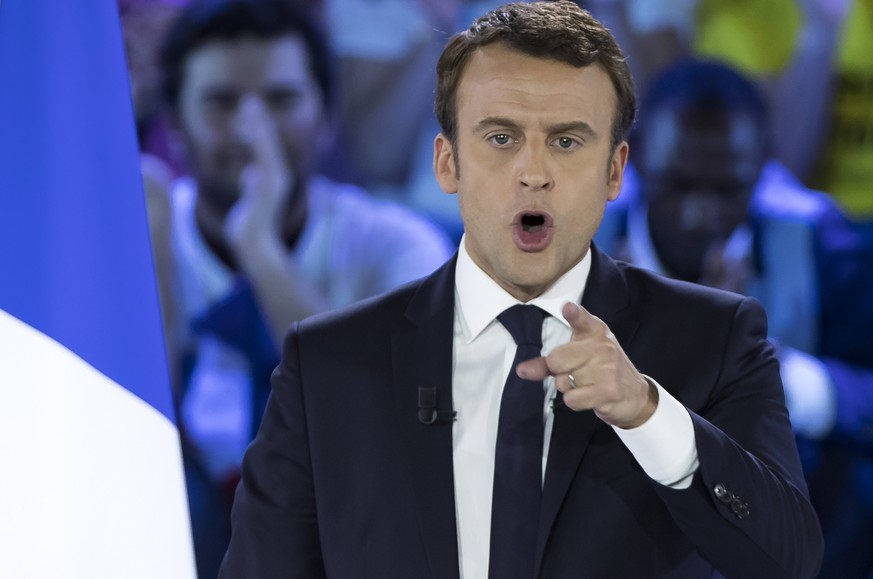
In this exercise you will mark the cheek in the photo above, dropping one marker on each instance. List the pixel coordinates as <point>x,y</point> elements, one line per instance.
<point>204,138</point>
<point>297,127</point>
<point>469,209</point>
<point>203,131</point>
<point>480,215</point>
<point>585,205</point>
<point>301,137</point>
<point>305,118</point>
<point>481,162</point>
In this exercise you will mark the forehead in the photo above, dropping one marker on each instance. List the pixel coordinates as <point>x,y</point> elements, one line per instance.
<point>702,144</point>
<point>249,61</point>
<point>503,82</point>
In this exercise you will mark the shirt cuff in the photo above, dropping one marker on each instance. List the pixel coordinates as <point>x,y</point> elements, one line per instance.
<point>664,445</point>
<point>809,394</point>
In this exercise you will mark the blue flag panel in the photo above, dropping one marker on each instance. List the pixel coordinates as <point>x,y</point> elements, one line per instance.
<point>75,258</point>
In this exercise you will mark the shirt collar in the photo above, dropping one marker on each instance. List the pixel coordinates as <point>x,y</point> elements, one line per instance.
<point>481,299</point>
<point>213,276</point>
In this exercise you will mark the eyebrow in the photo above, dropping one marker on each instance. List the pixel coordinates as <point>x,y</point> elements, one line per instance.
<point>568,127</point>
<point>493,122</point>
<point>573,127</point>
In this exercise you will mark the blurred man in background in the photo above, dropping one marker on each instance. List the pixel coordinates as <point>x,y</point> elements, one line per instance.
<point>259,239</point>
<point>706,204</point>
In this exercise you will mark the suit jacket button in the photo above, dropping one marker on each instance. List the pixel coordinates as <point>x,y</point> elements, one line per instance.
<point>740,509</point>
<point>722,493</point>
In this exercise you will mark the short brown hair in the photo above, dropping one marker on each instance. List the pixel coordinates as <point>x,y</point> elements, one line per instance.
<point>559,31</point>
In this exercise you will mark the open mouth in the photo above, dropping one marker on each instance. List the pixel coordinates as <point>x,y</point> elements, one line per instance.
<point>532,222</point>
<point>533,230</point>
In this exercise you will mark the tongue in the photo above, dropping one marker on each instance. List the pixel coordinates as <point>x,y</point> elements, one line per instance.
<point>532,238</point>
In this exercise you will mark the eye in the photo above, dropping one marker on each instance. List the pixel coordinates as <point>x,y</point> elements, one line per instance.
<point>221,101</point>
<point>283,99</point>
<point>567,143</point>
<point>501,139</point>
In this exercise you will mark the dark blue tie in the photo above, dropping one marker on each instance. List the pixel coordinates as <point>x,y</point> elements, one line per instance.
<point>515,507</point>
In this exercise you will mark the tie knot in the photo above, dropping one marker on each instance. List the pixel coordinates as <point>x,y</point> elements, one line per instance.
<point>525,324</point>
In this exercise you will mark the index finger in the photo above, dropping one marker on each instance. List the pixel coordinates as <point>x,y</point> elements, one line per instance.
<point>263,139</point>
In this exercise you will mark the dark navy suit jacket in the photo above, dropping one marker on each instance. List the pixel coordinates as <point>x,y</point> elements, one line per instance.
<point>344,481</point>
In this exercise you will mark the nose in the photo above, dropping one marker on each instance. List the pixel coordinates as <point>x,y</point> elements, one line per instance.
<point>249,111</point>
<point>533,168</point>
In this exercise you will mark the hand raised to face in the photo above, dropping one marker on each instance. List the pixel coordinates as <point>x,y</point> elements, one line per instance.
<point>254,223</point>
<point>727,264</point>
<point>605,379</point>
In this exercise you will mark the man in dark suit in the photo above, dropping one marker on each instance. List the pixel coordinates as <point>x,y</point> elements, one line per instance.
<point>391,446</point>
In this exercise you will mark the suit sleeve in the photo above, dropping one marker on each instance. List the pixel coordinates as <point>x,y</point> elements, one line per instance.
<point>274,523</point>
<point>747,507</point>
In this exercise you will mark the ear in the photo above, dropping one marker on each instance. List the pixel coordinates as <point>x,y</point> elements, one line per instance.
<point>444,167</point>
<point>616,170</point>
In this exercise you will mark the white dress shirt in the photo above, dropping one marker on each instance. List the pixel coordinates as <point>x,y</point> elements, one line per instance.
<point>483,352</point>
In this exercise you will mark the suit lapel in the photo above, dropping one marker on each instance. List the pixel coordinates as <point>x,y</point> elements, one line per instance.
<point>606,296</point>
<point>422,357</point>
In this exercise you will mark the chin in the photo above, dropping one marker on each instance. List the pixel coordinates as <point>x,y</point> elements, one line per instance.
<point>533,283</point>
